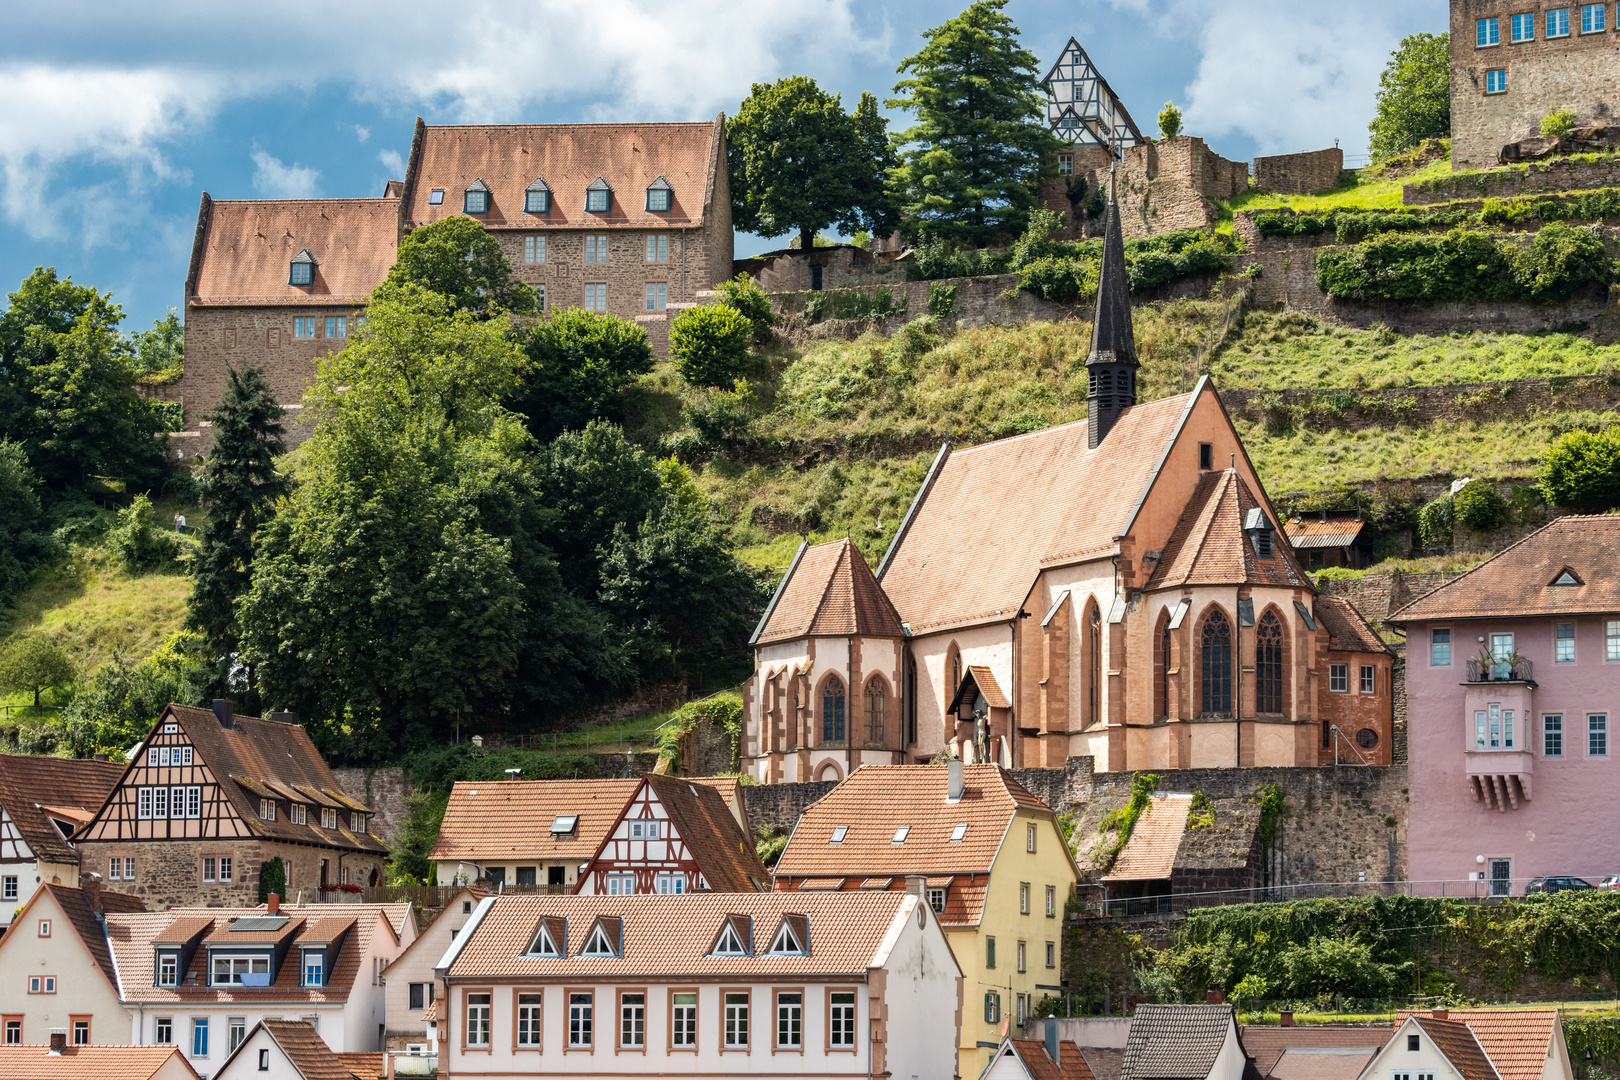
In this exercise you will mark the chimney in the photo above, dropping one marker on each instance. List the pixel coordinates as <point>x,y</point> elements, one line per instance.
<point>914,884</point>
<point>1441,1014</point>
<point>272,903</point>
<point>225,712</point>
<point>284,717</point>
<point>91,885</point>
<point>1051,1031</point>
<point>953,769</point>
<point>1285,1018</point>
<point>1213,997</point>
<point>58,1040</point>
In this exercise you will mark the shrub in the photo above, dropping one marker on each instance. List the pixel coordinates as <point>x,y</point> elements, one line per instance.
<point>709,345</point>
<point>1583,469</point>
<point>1560,260</point>
<point>138,541</point>
<point>941,301</point>
<point>1434,523</point>
<point>1463,265</point>
<point>582,362</point>
<point>744,296</point>
<point>1050,278</point>
<point>721,417</point>
<point>1479,506</point>
<point>1557,124</point>
<point>1169,121</point>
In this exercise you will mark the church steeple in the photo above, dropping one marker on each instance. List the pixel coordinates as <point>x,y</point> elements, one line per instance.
<point>1112,363</point>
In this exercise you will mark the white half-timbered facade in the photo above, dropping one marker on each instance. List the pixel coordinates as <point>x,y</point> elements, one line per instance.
<point>43,802</point>
<point>674,836</point>
<point>1081,107</point>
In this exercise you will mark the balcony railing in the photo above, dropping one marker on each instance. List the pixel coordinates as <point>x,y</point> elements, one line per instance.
<point>1483,669</point>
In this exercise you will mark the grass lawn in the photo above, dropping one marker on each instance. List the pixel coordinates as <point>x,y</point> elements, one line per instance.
<point>1367,189</point>
<point>94,610</point>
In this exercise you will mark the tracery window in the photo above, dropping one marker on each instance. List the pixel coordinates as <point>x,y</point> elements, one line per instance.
<point>1094,666</point>
<point>1268,664</point>
<point>1217,661</point>
<point>876,696</point>
<point>832,711</point>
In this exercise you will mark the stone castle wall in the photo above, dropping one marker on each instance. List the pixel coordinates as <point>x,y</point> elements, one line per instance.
<point>1299,174</point>
<point>1172,184</point>
<point>1549,177</point>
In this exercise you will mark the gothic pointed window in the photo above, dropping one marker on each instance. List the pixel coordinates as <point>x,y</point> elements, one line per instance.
<point>1164,671</point>
<point>877,696</point>
<point>1094,665</point>
<point>832,711</point>
<point>1268,664</point>
<point>1217,666</point>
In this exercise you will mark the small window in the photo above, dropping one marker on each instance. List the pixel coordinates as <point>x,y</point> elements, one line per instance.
<point>1597,735</point>
<point>1367,738</point>
<point>564,824</point>
<point>1051,902</point>
<point>992,1007</point>
<point>81,1033</point>
<point>1051,954</point>
<point>534,249</point>
<point>729,943</point>
<point>1552,735</point>
<point>657,296</point>
<point>786,942</point>
<point>8,885</point>
<point>478,1008</point>
<point>990,952</point>
<point>357,824</point>
<point>1065,164</point>
<point>599,944</point>
<point>659,196</point>
<point>298,814</point>
<point>328,818</point>
<point>1022,954</point>
<point>44,928</point>
<point>1522,27</point>
<point>162,1031</point>
<point>302,270</point>
<point>958,832</point>
<point>1023,898</point>
<point>14,1032</point>
<point>621,884</point>
<point>936,900</point>
<point>267,808</point>
<point>1496,81</point>
<point>1440,647</point>
<point>193,798</point>
<point>1558,23</point>
<point>1339,678</point>
<point>633,1021</point>
<point>1029,837</point>
<point>657,248</point>
<point>537,199</point>
<point>1262,544</point>
<point>540,299</point>
<point>475,200</point>
<point>208,869</point>
<point>596,297</point>
<point>315,968</point>
<point>236,1032</point>
<point>1487,32</point>
<point>436,197</point>
<point>900,834</point>
<point>598,197</point>
<point>264,1060</point>
<point>842,1020</point>
<point>1369,679</point>
<point>337,326</point>
<point>199,1036</point>
<point>1592,20</point>
<point>1564,643</point>
<point>1412,1043</point>
<point>579,1020</point>
<point>838,834</point>
<point>1206,456</point>
<point>151,757</point>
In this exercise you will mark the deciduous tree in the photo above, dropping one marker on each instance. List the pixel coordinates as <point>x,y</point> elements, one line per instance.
<point>457,258</point>
<point>31,661</point>
<point>580,364</point>
<point>1414,95</point>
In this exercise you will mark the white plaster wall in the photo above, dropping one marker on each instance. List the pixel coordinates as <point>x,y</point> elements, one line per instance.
<point>80,986</point>
<point>921,983</point>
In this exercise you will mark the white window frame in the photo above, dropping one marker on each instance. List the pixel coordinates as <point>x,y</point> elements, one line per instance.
<point>1339,678</point>
<point>581,1012</point>
<point>233,977</point>
<point>1560,27</point>
<point>1065,164</point>
<point>1487,32</point>
<point>1496,77</point>
<point>789,1031</point>
<point>478,1019</point>
<point>1369,679</point>
<point>1521,19</point>
<point>843,1016</point>
<point>1552,737</point>
<point>209,864</point>
<point>1435,645</point>
<point>328,818</point>
<point>168,969</point>
<point>151,757</point>
<point>177,802</point>
<point>1598,22</point>
<point>1563,647</point>
<point>683,1020</point>
<point>1611,641</point>
<point>529,1015</point>
<point>736,1019</point>
<point>8,887</point>
<point>1597,735</point>
<point>143,803</point>
<point>672,883</point>
<point>160,803</point>
<point>619,884</point>
<point>297,814</point>
<point>633,1021</point>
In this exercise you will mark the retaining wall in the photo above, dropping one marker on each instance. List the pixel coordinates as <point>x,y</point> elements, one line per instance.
<point>1560,175</point>
<point>1299,174</point>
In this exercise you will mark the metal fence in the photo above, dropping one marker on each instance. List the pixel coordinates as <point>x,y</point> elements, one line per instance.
<point>436,896</point>
<point>1097,904</point>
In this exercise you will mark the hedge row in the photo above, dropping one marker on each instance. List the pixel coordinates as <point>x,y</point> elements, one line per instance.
<point>1465,265</point>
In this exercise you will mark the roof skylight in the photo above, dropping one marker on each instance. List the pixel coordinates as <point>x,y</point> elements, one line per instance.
<point>838,834</point>
<point>900,834</point>
<point>958,832</point>
<point>564,824</point>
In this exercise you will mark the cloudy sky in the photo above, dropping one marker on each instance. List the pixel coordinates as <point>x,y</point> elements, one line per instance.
<point>118,115</point>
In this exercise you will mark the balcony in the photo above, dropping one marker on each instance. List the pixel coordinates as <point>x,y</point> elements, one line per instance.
<point>1483,669</point>
<point>1500,778</point>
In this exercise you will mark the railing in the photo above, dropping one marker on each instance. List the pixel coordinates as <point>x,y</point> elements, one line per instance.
<point>1094,906</point>
<point>1484,669</point>
<point>434,896</point>
<point>415,1064</point>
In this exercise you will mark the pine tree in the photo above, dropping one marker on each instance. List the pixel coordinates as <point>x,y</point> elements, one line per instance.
<point>240,485</point>
<point>971,166</point>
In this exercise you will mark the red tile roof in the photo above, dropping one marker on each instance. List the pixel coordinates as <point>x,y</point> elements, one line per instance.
<point>1267,1046</point>
<point>724,853</point>
<point>100,1061</point>
<point>985,680</point>
<point>1209,546</point>
<point>313,1059</point>
<point>569,158</point>
<point>1032,1055</point>
<point>1347,630</point>
<point>1455,1040</point>
<point>1518,1041</point>
<point>829,591</point>
<point>245,250</point>
<point>28,784</point>
<point>1519,579</point>
<point>77,908</point>
<point>496,820</point>
<point>672,935</point>
<point>1033,500</point>
<point>1150,853</point>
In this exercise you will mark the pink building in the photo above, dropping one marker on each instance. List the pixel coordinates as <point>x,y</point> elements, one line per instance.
<point>1511,679</point>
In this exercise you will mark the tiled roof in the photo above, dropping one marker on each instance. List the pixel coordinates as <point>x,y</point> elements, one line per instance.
<point>829,591</point>
<point>77,909</point>
<point>132,936</point>
<point>985,680</point>
<point>569,158</point>
<point>999,512</point>
<point>1519,579</point>
<point>1311,1063</point>
<point>507,819</point>
<point>1518,1041</point>
<point>723,851</point>
<point>1347,630</point>
<point>1454,1039</point>
<point>28,784</point>
<point>1313,532</point>
<point>878,799</point>
<point>370,1065</point>
<point>246,250</point>
<point>310,1055</point>
<point>1267,1046</point>
<point>728,789</point>
<point>1150,853</point>
<point>1175,1042</point>
<point>1209,547</point>
<point>1104,1061</point>
<point>672,935</point>
<point>78,1062</point>
<point>1038,1066</point>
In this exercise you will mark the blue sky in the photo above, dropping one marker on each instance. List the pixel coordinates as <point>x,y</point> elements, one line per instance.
<point>120,115</point>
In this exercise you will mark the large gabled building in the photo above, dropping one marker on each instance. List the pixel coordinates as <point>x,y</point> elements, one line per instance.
<point>209,797</point>
<point>43,802</point>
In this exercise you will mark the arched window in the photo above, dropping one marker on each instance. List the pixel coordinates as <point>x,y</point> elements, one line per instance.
<point>877,696</point>
<point>1164,669</point>
<point>1217,682</point>
<point>1094,665</point>
<point>1268,664</point>
<point>832,711</point>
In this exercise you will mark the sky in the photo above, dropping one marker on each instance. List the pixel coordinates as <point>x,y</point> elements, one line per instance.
<point>119,115</point>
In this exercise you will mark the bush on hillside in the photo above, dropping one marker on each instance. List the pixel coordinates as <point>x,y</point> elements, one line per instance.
<point>138,540</point>
<point>1479,506</point>
<point>1464,265</point>
<point>580,364</point>
<point>1557,123</point>
<point>744,296</point>
<point>1435,522</point>
<point>709,345</point>
<point>1583,469</point>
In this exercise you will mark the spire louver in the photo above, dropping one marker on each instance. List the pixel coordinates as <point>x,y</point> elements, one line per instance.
<point>1112,364</point>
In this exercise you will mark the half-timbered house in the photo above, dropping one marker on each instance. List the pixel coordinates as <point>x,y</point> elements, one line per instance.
<point>43,802</point>
<point>209,798</point>
<point>675,836</point>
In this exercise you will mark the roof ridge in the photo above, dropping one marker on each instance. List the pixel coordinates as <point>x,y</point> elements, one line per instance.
<point>1517,543</point>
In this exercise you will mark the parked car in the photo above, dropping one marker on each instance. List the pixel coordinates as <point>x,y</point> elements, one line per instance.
<point>1556,884</point>
<point>1610,882</point>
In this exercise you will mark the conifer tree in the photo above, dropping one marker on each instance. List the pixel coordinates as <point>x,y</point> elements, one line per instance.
<point>970,168</point>
<point>240,486</point>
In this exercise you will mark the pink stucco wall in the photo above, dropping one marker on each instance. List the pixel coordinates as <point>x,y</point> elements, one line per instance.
<point>1567,827</point>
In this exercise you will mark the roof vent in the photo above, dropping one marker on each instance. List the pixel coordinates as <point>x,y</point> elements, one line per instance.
<point>225,712</point>
<point>954,781</point>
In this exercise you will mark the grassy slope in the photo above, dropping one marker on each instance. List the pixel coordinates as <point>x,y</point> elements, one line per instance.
<point>95,610</point>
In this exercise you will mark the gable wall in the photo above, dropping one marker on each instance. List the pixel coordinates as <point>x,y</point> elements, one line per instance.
<point>646,859</point>
<point>406,1025</point>
<point>81,988</point>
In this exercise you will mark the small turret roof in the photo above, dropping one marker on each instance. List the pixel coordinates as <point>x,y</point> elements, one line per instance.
<point>829,591</point>
<point>1112,339</point>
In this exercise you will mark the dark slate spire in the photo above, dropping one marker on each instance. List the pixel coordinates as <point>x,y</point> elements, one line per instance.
<point>1112,363</point>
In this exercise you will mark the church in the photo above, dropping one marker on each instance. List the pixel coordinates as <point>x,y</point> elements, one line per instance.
<point>1118,587</point>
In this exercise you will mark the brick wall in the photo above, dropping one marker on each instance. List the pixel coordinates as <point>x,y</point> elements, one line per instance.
<point>260,337</point>
<point>1299,174</point>
<point>1084,161</point>
<point>1544,178</point>
<point>1579,72</point>
<point>169,874</point>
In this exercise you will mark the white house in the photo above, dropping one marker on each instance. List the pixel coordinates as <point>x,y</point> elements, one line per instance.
<point>702,984</point>
<point>43,802</point>
<point>1475,1044</point>
<point>410,982</point>
<point>293,1050</point>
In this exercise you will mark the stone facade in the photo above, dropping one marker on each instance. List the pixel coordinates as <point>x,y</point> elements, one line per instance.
<point>384,790</point>
<point>1299,174</point>
<point>169,873</point>
<point>1086,162</point>
<point>1172,184</point>
<point>1543,178</point>
<point>1501,89</point>
<point>840,267</point>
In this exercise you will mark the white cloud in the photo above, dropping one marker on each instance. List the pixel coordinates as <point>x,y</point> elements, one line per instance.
<point>393,163</point>
<point>362,132</point>
<point>274,180</point>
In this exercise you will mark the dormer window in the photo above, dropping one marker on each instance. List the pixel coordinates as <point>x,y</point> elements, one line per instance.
<point>475,200</point>
<point>1258,527</point>
<point>357,822</point>
<point>728,944</point>
<point>549,939</point>
<point>168,969</point>
<point>537,198</point>
<point>1566,576</point>
<point>604,938</point>
<point>302,270</point>
<point>314,967</point>
<point>598,197</point>
<point>328,818</point>
<point>792,938</point>
<point>659,196</point>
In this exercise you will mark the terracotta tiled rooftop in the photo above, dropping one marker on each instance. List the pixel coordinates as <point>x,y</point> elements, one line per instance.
<point>1150,853</point>
<point>1461,1047</point>
<point>876,800</point>
<point>77,908</point>
<point>313,1059</point>
<point>829,591</point>
<point>500,820</point>
<point>28,784</point>
<point>1347,630</point>
<point>1267,1046</point>
<point>1209,546</point>
<point>1175,1042</point>
<point>1032,1053</point>
<point>245,250</point>
<point>1519,579</point>
<point>1034,500</point>
<point>724,853</point>
<point>569,158</point>
<point>1518,1041</point>
<point>101,1062</point>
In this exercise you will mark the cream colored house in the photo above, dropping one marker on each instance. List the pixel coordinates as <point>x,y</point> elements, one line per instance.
<point>1475,1044</point>
<point>59,973</point>
<point>409,980</point>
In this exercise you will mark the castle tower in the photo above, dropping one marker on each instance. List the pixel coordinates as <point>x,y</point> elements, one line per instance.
<point>1112,363</point>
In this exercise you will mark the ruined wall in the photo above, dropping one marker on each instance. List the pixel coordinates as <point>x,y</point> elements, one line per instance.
<point>841,268</point>
<point>1172,184</point>
<point>1456,403</point>
<point>1548,177</point>
<point>1299,174</point>
<point>778,806</point>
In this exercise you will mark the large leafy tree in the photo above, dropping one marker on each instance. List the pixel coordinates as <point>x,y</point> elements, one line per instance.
<point>800,163</point>
<point>24,538</point>
<point>970,167</point>
<point>1414,95</point>
<point>456,258</point>
<point>581,363</point>
<point>240,486</point>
